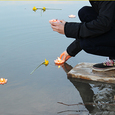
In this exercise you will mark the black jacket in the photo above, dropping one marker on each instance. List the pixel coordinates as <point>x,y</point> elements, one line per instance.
<point>104,22</point>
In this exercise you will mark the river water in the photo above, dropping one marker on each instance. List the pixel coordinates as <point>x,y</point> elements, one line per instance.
<point>26,41</point>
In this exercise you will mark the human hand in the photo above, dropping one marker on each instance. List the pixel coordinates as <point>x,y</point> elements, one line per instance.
<point>58,26</point>
<point>65,56</point>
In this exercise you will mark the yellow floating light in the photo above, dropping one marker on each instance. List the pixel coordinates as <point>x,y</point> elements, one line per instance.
<point>58,61</point>
<point>3,81</point>
<point>71,16</point>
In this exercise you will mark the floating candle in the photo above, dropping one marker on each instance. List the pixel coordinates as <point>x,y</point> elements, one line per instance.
<point>72,16</point>
<point>3,81</point>
<point>58,61</point>
<point>54,20</point>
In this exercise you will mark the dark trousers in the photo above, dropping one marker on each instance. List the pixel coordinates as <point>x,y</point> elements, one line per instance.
<point>103,45</point>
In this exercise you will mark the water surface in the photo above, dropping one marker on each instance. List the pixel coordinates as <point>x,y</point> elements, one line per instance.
<point>26,40</point>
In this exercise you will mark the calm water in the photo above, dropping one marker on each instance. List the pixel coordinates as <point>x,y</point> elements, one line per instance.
<point>26,40</point>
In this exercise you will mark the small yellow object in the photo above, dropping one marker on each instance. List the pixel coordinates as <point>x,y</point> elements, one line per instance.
<point>59,66</point>
<point>46,62</point>
<point>34,8</point>
<point>44,9</point>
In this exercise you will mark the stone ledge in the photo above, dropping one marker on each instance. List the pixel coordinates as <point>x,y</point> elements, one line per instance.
<point>84,71</point>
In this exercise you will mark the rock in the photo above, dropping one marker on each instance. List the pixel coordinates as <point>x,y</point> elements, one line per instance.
<point>84,71</point>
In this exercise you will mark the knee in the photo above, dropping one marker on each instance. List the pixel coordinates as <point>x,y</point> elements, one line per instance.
<point>82,13</point>
<point>87,14</point>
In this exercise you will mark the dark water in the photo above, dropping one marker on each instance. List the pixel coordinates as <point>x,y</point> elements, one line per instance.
<point>26,40</point>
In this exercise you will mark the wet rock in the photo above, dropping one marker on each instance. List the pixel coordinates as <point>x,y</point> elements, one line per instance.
<point>84,71</point>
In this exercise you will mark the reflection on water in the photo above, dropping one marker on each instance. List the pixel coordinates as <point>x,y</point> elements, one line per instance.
<point>26,39</point>
<point>101,102</point>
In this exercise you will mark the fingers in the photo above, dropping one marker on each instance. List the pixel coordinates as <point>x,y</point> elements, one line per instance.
<point>62,21</point>
<point>54,27</point>
<point>65,56</point>
<point>54,23</point>
<point>62,55</point>
<point>57,23</point>
<point>58,26</point>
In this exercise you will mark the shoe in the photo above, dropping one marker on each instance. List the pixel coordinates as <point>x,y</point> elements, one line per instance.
<point>109,65</point>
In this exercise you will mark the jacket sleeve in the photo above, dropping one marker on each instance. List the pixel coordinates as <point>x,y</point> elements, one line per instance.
<point>100,25</point>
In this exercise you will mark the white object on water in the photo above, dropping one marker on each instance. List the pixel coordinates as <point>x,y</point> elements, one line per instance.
<point>72,16</point>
